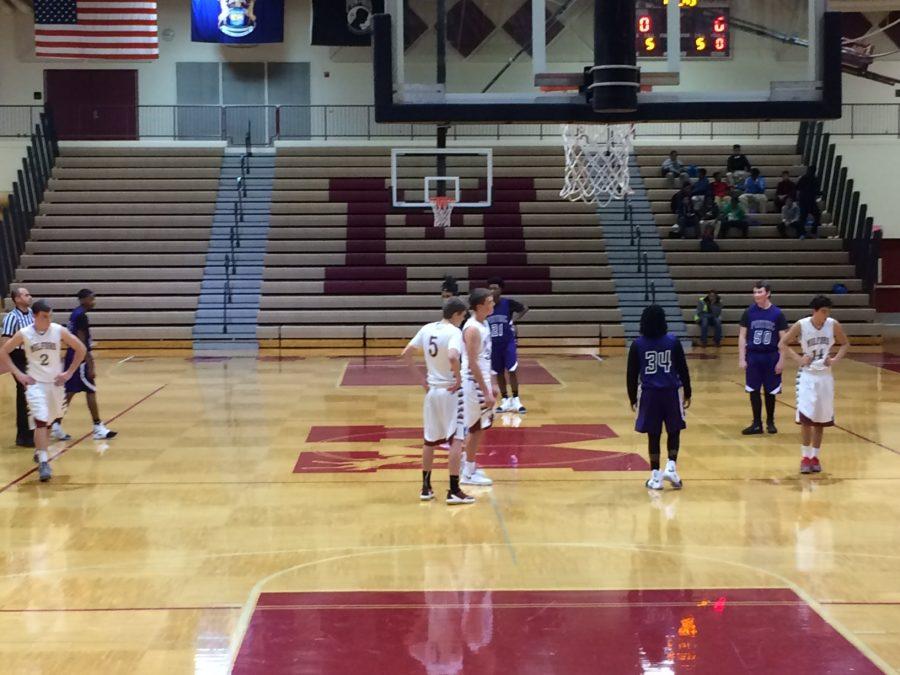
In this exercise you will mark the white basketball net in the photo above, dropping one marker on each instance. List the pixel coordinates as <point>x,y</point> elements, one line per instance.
<point>597,162</point>
<point>442,207</point>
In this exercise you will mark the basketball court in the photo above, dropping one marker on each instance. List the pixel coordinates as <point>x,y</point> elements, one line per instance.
<point>265,513</point>
<point>260,514</point>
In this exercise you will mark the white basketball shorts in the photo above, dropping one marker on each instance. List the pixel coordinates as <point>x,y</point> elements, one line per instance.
<point>440,414</point>
<point>475,410</point>
<point>815,399</point>
<point>46,402</point>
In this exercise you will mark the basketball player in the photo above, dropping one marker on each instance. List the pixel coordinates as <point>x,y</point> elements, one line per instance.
<point>83,380</point>
<point>503,348</point>
<point>815,383</point>
<point>441,342</point>
<point>762,327</point>
<point>44,381</point>
<point>659,388</point>
<point>479,391</point>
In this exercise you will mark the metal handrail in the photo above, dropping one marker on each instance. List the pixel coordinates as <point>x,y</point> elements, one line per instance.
<point>323,121</point>
<point>646,278</point>
<point>638,239</point>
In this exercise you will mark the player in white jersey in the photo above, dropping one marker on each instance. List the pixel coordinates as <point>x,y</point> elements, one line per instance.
<point>42,342</point>
<point>442,344</point>
<point>480,390</point>
<point>815,383</point>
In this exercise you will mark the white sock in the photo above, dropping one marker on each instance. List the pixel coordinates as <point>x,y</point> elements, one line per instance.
<point>807,451</point>
<point>42,455</point>
<point>815,452</point>
<point>670,466</point>
<point>469,468</point>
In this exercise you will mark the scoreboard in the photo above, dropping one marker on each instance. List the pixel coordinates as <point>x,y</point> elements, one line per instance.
<point>705,29</point>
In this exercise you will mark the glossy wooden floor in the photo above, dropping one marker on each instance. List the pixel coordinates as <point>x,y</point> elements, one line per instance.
<point>147,554</point>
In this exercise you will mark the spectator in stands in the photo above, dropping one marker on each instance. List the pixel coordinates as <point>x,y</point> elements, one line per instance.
<point>733,215</point>
<point>675,201</point>
<point>709,313</point>
<point>701,191</point>
<point>790,219</point>
<point>719,188</point>
<point>708,239</point>
<point>807,200</point>
<point>754,188</point>
<point>738,166</point>
<point>786,188</point>
<point>449,288</point>
<point>687,217</point>
<point>709,215</point>
<point>672,168</point>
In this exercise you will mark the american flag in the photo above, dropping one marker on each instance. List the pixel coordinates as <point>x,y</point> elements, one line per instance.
<point>96,29</point>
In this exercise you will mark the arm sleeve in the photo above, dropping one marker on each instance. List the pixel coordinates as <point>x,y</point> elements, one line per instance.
<point>456,342</point>
<point>634,367</point>
<point>681,368</point>
<point>781,323</point>
<point>417,340</point>
<point>745,319</point>
<point>516,307</point>
<point>9,325</point>
<point>81,324</point>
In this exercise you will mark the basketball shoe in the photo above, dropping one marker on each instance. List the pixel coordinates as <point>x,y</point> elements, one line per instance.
<point>427,494</point>
<point>655,482</point>
<point>101,433</point>
<point>516,406</point>
<point>57,433</point>
<point>806,465</point>
<point>44,471</point>
<point>671,475</point>
<point>459,497</point>
<point>814,465</point>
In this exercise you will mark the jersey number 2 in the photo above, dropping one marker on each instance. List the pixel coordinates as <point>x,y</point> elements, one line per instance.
<point>45,359</point>
<point>432,346</point>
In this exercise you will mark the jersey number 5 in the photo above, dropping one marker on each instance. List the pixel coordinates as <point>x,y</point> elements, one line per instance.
<point>432,346</point>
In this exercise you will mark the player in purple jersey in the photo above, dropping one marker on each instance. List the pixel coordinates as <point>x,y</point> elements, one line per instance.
<point>83,379</point>
<point>762,327</point>
<point>503,349</point>
<point>659,388</point>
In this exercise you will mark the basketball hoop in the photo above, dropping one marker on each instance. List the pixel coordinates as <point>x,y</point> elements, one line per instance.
<point>597,162</point>
<point>442,207</point>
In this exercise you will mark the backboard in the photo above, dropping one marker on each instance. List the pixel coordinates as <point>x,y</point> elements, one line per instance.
<point>464,174</point>
<point>469,61</point>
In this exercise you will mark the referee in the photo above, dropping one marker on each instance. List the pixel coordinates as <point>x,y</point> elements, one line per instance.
<point>13,322</point>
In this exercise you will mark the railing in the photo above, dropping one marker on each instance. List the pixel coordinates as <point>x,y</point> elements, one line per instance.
<point>325,122</point>
<point>234,235</point>
<point>861,238</point>
<point>27,192</point>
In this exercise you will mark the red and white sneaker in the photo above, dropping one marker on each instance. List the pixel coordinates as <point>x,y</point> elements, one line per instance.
<point>806,465</point>
<point>814,465</point>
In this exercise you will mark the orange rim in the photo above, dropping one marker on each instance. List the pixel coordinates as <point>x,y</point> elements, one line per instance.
<point>442,202</point>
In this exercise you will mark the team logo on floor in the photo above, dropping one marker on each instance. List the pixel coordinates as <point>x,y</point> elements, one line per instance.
<point>368,449</point>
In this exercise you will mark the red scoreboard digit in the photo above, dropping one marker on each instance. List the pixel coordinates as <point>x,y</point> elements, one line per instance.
<point>705,29</point>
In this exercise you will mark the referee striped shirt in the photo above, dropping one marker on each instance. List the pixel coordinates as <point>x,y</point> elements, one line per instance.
<point>16,320</point>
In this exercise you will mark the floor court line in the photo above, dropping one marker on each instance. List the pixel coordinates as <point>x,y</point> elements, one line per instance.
<point>838,426</point>
<point>251,603</point>
<point>79,440</point>
<point>189,608</point>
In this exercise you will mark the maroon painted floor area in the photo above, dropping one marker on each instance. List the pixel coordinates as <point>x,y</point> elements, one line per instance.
<point>884,360</point>
<point>767,631</point>
<point>391,371</point>
<point>542,447</point>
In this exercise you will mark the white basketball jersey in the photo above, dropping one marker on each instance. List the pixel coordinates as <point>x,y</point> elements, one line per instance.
<point>484,352</point>
<point>43,352</point>
<point>436,340</point>
<point>817,343</point>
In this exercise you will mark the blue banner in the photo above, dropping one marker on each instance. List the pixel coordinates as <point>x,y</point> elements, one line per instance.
<point>243,22</point>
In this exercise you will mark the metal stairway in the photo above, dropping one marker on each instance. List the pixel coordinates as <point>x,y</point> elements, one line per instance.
<point>227,311</point>
<point>638,262</point>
